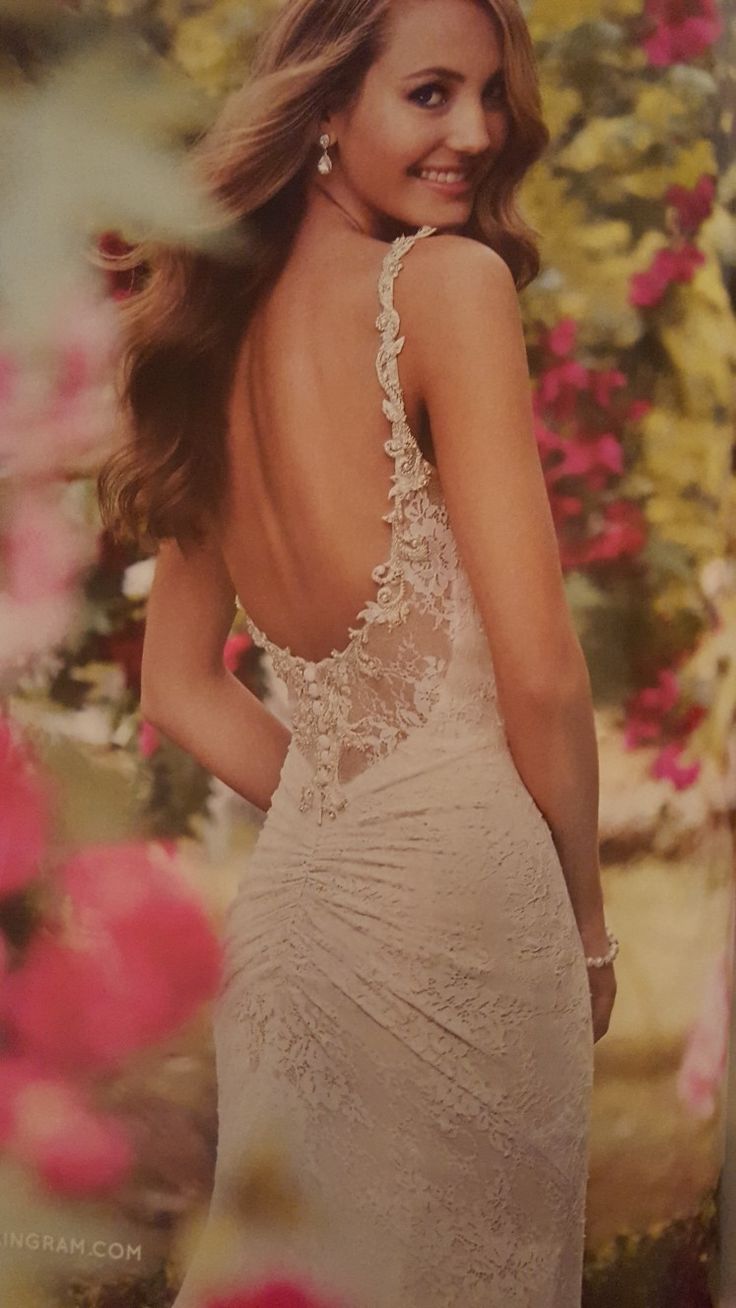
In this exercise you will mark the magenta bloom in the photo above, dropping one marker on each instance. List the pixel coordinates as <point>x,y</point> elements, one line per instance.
<point>622,535</point>
<point>683,30</point>
<point>562,337</point>
<point>571,374</point>
<point>648,288</point>
<point>667,766</point>
<point>235,647</point>
<point>148,739</point>
<point>595,460</point>
<point>25,813</point>
<point>45,1123</point>
<point>604,383</point>
<point>651,708</point>
<point>693,206</point>
<point>272,1294</point>
<point>655,715</point>
<point>132,960</point>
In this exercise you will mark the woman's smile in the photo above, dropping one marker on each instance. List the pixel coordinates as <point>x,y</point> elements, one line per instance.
<point>447,181</point>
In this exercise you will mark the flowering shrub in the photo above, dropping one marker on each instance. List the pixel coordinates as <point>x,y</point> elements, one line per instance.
<point>119,956</point>
<point>632,347</point>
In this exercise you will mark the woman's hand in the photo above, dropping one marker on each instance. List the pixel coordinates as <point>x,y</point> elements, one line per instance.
<point>602,980</point>
<point>602,995</point>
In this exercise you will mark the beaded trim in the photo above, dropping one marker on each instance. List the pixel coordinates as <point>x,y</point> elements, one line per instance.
<point>603,960</point>
<point>322,687</point>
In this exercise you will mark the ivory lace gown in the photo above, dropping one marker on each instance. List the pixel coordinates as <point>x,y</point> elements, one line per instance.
<point>405,989</point>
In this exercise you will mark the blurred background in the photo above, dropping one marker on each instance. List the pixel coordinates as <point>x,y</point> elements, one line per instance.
<point>107,1083</point>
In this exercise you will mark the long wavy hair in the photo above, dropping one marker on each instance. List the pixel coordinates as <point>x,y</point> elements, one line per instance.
<point>182,327</point>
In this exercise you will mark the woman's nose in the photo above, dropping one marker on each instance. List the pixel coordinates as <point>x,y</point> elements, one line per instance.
<point>472,130</point>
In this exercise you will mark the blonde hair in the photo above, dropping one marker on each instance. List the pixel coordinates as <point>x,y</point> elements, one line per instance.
<point>182,328</point>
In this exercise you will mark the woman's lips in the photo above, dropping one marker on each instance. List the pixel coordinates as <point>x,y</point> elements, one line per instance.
<point>460,187</point>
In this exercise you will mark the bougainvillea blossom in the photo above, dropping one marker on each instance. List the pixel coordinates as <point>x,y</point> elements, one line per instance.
<point>681,30</point>
<point>648,288</point>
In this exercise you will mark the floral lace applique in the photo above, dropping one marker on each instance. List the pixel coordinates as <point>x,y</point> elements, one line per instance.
<point>358,703</point>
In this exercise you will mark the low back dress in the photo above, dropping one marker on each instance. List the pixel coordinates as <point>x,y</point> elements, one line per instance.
<point>405,999</point>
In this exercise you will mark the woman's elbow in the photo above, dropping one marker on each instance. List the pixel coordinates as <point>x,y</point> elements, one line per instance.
<point>554,681</point>
<point>151,708</point>
<point>563,680</point>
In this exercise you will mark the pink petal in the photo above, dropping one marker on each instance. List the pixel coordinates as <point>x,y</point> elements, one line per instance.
<point>25,818</point>
<point>133,957</point>
<point>73,1150</point>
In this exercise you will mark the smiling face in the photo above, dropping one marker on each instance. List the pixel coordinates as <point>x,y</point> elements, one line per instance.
<point>430,119</point>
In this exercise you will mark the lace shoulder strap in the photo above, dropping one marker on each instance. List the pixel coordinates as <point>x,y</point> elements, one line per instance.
<point>387,323</point>
<point>411,470</point>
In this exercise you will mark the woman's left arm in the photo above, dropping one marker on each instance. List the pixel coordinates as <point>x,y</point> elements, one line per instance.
<point>187,691</point>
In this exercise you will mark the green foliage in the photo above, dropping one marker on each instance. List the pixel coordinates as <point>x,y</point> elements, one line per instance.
<point>624,133</point>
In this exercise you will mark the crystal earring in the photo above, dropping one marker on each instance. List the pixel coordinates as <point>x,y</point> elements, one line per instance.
<point>325,163</point>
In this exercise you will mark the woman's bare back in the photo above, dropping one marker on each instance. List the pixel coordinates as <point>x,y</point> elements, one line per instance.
<point>302,526</point>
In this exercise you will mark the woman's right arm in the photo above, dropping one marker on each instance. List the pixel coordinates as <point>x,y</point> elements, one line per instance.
<point>463,326</point>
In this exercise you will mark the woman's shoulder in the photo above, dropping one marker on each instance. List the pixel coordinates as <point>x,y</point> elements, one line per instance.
<point>451,284</point>
<point>447,261</point>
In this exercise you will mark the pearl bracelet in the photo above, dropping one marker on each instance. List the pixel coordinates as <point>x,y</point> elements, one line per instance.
<point>605,958</point>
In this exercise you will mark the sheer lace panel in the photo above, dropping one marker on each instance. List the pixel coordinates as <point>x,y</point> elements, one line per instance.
<point>357,704</point>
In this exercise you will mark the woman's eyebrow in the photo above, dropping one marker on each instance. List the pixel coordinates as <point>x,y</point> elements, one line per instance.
<point>450,73</point>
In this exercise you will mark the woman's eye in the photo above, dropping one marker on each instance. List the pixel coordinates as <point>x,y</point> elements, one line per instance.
<point>422,90</point>
<point>495,93</point>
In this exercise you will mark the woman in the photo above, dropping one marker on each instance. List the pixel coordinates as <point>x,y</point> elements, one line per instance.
<point>405,985</point>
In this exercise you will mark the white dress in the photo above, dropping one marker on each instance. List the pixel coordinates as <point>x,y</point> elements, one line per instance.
<point>405,990</point>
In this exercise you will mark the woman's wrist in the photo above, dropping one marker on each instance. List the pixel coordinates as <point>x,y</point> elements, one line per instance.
<point>600,944</point>
<point>608,956</point>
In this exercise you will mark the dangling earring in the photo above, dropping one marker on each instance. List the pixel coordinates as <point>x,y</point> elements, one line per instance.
<point>325,163</point>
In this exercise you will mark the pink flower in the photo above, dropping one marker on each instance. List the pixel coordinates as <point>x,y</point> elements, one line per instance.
<point>596,460</point>
<point>650,709</point>
<point>604,382</point>
<point>581,464</point>
<point>662,697</point>
<point>656,715</point>
<point>683,30</point>
<point>273,1294</point>
<point>549,441</point>
<point>43,551</point>
<point>693,206</point>
<point>235,646</point>
<point>638,409</point>
<point>566,507</point>
<point>25,814</point>
<point>132,958</point>
<point>666,766</point>
<point>562,337</point>
<point>148,739</point>
<point>648,288</point>
<point>568,375</point>
<point>624,534</point>
<point>703,1065</point>
<point>46,1124</point>
<point>56,409</point>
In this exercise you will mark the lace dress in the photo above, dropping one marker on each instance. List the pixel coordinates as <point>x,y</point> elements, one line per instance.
<point>405,994</point>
